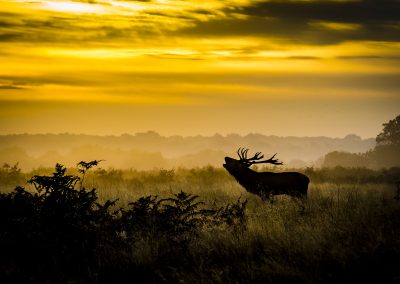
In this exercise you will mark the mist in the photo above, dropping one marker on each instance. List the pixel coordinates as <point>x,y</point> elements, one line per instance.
<point>150,150</point>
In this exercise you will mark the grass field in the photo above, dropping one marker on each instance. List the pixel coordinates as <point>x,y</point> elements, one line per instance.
<point>343,233</point>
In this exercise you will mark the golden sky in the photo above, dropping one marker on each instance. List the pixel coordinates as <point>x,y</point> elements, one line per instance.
<point>302,68</point>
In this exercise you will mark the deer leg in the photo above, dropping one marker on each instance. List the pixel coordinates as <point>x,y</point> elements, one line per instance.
<point>264,196</point>
<point>271,196</point>
<point>265,193</point>
<point>299,198</point>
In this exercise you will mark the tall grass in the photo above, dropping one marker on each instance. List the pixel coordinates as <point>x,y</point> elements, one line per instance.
<point>342,233</point>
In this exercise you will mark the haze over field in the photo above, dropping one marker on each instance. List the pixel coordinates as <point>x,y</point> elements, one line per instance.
<point>301,68</point>
<point>150,150</point>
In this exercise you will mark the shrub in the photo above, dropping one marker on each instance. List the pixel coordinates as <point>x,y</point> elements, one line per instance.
<point>62,233</point>
<point>57,228</point>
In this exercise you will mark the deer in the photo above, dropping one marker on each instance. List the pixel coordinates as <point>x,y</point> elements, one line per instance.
<point>265,184</point>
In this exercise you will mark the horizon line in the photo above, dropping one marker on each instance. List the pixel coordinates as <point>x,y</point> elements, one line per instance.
<point>153,132</point>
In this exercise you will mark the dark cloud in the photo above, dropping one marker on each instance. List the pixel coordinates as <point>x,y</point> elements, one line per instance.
<point>298,21</point>
<point>368,57</point>
<point>299,57</point>
<point>16,27</point>
<point>362,57</point>
<point>364,11</point>
<point>202,12</point>
<point>10,87</point>
<point>181,16</point>
<point>9,36</point>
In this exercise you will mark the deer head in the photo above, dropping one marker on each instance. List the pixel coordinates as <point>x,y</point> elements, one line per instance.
<point>235,166</point>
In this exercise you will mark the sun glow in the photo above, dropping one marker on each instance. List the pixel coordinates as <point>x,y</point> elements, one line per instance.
<point>72,7</point>
<point>212,58</point>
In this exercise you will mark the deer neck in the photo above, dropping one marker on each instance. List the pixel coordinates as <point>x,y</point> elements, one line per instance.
<point>246,177</point>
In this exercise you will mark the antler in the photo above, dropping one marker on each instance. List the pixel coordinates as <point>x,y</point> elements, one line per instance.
<point>269,161</point>
<point>242,153</point>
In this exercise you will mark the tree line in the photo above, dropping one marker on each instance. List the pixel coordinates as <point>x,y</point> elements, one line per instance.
<point>385,154</point>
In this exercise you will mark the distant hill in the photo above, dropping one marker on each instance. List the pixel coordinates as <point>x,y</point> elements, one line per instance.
<point>150,150</point>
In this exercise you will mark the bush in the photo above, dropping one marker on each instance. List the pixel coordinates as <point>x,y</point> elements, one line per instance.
<point>57,228</point>
<point>61,233</point>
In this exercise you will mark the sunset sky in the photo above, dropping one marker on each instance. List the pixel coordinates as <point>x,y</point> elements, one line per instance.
<point>301,68</point>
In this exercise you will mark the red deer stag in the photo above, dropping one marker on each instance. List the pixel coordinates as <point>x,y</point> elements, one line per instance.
<point>265,184</point>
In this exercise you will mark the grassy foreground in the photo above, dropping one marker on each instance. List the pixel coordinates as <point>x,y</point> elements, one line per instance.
<point>56,231</point>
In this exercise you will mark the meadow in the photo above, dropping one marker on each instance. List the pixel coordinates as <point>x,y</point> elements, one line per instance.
<point>198,226</point>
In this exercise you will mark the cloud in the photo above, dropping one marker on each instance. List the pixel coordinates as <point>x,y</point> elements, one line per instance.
<point>132,80</point>
<point>363,11</point>
<point>10,87</point>
<point>21,82</point>
<point>70,28</point>
<point>208,33</point>
<point>300,57</point>
<point>362,57</point>
<point>312,22</point>
<point>317,22</point>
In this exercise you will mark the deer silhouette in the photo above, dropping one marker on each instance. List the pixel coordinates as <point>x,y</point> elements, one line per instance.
<point>265,184</point>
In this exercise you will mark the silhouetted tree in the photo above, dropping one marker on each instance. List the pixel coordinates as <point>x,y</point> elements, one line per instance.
<point>390,134</point>
<point>387,151</point>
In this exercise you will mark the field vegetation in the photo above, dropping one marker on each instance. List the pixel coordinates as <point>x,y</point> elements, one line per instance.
<point>93,225</point>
